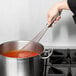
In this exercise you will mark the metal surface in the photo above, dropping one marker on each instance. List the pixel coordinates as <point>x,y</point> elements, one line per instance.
<point>19,66</point>
<point>46,54</point>
<point>61,63</point>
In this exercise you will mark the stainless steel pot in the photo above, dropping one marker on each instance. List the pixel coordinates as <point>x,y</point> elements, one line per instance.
<point>20,66</point>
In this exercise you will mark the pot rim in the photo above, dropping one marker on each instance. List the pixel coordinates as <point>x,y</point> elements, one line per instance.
<point>20,58</point>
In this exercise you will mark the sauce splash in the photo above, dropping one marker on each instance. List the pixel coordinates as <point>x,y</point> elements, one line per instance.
<point>20,54</point>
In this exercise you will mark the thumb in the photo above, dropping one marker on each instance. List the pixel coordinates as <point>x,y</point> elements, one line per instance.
<point>50,20</point>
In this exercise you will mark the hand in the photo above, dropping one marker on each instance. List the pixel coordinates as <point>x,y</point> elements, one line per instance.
<point>52,13</point>
<point>55,10</point>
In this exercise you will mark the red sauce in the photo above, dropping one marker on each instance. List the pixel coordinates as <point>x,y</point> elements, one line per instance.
<point>20,54</point>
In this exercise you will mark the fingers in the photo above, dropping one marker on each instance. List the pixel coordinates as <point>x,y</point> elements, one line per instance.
<point>50,19</point>
<point>57,19</point>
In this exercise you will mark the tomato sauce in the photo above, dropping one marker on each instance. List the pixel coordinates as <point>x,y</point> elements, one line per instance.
<point>20,54</point>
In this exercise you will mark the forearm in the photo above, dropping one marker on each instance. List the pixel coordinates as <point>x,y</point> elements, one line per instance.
<point>68,5</point>
<point>62,5</point>
<point>58,7</point>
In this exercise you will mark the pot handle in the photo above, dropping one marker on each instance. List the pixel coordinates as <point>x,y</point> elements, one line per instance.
<point>46,54</point>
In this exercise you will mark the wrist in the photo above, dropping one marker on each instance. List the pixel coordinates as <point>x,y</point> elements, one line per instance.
<point>62,6</point>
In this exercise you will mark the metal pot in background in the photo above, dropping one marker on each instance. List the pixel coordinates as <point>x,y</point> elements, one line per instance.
<point>20,66</point>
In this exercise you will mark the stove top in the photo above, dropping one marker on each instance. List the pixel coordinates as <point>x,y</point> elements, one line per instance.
<point>61,63</point>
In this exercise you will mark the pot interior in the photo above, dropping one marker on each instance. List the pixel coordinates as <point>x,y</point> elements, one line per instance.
<point>17,45</point>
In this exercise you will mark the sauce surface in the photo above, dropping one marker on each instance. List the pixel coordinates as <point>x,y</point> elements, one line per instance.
<point>20,54</point>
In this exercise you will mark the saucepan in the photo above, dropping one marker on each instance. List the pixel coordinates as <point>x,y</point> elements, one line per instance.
<point>21,66</point>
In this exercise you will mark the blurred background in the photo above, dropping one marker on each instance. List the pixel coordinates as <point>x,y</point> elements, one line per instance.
<point>23,19</point>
